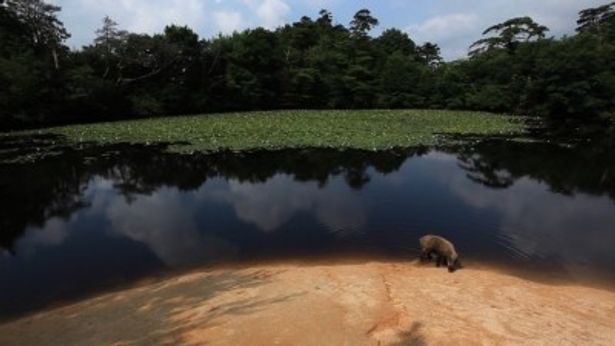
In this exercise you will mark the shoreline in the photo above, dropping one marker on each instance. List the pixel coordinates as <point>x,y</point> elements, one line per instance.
<point>351,257</point>
<point>390,301</point>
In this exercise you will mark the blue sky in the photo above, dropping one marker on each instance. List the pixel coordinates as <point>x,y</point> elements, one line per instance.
<point>453,24</point>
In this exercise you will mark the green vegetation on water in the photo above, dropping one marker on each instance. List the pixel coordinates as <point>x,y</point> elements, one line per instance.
<point>367,129</point>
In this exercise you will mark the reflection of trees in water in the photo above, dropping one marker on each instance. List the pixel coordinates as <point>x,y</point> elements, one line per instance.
<point>567,170</point>
<point>484,172</point>
<point>565,235</point>
<point>33,193</point>
<point>140,170</point>
<point>53,186</point>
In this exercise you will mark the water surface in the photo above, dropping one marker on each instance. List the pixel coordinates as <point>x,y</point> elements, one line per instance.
<point>84,220</point>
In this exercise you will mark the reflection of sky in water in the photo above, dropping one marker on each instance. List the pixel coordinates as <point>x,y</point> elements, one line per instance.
<point>536,223</point>
<point>172,225</point>
<point>116,239</point>
<point>425,195</point>
<point>271,204</point>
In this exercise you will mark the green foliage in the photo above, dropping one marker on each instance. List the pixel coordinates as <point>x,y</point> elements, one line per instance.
<point>394,40</point>
<point>362,23</point>
<point>400,83</point>
<point>577,78</point>
<point>371,130</point>
<point>429,53</point>
<point>520,71</point>
<point>146,105</point>
<point>308,64</point>
<point>509,34</point>
<point>30,51</point>
<point>597,20</point>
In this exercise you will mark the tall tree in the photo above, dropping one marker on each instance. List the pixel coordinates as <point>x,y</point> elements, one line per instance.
<point>359,78</point>
<point>109,40</point>
<point>312,63</point>
<point>255,61</point>
<point>45,30</point>
<point>508,35</point>
<point>400,82</point>
<point>429,53</point>
<point>395,40</point>
<point>594,19</point>
<point>325,18</point>
<point>13,33</point>
<point>362,23</point>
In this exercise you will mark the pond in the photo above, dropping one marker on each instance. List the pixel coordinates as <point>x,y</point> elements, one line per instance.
<point>82,221</point>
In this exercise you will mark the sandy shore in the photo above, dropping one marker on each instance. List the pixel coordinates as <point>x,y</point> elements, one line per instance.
<point>373,303</point>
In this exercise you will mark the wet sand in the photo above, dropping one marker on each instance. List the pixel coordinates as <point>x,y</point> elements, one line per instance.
<point>331,303</point>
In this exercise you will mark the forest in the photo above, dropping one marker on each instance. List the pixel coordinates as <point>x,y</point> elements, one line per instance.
<point>313,63</point>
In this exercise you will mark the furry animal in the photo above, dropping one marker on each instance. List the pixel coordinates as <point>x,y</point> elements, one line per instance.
<point>442,248</point>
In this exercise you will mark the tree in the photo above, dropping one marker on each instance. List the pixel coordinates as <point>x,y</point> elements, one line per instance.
<point>325,18</point>
<point>429,53</point>
<point>400,82</point>
<point>179,81</point>
<point>45,30</point>
<point>13,33</point>
<point>394,40</point>
<point>330,57</point>
<point>508,35</point>
<point>574,79</point>
<point>140,56</point>
<point>311,63</point>
<point>109,40</point>
<point>362,23</point>
<point>253,71</point>
<point>594,19</point>
<point>30,48</point>
<point>109,36</point>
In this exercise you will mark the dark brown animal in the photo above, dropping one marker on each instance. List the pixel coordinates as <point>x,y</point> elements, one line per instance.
<point>442,248</point>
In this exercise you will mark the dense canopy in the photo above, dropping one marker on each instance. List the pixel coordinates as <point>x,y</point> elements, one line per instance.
<point>313,63</point>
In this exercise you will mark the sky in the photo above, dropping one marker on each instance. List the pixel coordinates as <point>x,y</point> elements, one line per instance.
<point>452,24</point>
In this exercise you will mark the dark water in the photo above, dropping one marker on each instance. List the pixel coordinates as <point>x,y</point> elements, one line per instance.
<point>79,221</point>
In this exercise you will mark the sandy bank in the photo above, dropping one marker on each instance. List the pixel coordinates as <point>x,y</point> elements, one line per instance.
<point>373,303</point>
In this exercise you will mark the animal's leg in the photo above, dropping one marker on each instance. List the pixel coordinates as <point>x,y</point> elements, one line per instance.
<point>433,254</point>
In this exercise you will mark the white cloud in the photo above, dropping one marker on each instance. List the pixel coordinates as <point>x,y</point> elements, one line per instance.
<point>149,16</point>
<point>448,31</point>
<point>443,26</point>
<point>455,25</point>
<point>452,24</point>
<point>206,17</point>
<point>228,22</point>
<point>272,12</point>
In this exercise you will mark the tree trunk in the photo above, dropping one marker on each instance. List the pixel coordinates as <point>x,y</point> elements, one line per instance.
<point>56,62</point>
